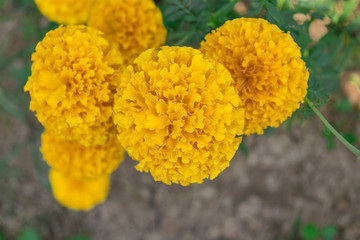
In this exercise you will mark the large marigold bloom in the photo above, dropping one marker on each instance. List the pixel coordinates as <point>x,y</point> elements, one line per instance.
<point>270,76</point>
<point>134,25</point>
<point>78,194</point>
<point>77,161</point>
<point>66,11</point>
<point>178,115</point>
<point>74,76</point>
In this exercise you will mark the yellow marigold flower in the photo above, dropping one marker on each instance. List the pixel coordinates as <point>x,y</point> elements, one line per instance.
<point>77,161</point>
<point>74,76</point>
<point>134,25</point>
<point>178,115</point>
<point>78,194</point>
<point>266,64</point>
<point>66,11</point>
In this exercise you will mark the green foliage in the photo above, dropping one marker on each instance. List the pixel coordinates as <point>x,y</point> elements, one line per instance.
<point>343,105</point>
<point>188,21</point>
<point>311,232</point>
<point>29,234</point>
<point>243,148</point>
<point>329,138</point>
<point>2,236</point>
<point>79,237</point>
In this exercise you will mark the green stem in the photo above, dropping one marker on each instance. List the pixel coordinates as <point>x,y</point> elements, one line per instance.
<point>349,146</point>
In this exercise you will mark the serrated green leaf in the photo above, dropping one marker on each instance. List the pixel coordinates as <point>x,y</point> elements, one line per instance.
<point>345,56</point>
<point>175,16</point>
<point>29,234</point>
<point>190,18</point>
<point>171,10</point>
<point>260,6</point>
<point>273,12</point>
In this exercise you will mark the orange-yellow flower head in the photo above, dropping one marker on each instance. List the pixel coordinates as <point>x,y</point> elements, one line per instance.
<point>178,114</point>
<point>77,161</point>
<point>134,25</point>
<point>66,11</point>
<point>270,76</point>
<point>73,79</point>
<point>78,194</point>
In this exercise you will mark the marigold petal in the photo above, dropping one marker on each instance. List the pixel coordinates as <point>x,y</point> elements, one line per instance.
<point>78,194</point>
<point>270,76</point>
<point>184,118</point>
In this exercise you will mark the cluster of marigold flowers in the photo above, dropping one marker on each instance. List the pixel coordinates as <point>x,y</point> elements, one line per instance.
<point>108,86</point>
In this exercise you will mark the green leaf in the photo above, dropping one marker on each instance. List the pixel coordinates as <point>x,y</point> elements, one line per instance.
<point>310,232</point>
<point>175,16</point>
<point>29,234</point>
<point>296,226</point>
<point>171,10</point>
<point>2,236</point>
<point>273,12</point>
<point>329,232</point>
<point>243,148</point>
<point>343,105</point>
<point>348,9</point>
<point>80,237</point>
<point>350,137</point>
<point>354,24</point>
<point>329,138</point>
<point>260,6</point>
<point>280,4</point>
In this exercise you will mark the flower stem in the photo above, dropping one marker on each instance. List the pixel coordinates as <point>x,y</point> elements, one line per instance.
<point>349,146</point>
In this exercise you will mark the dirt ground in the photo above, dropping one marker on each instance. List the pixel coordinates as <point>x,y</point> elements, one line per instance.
<point>255,198</point>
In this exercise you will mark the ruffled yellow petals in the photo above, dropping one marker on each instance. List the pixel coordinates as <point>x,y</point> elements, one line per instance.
<point>133,25</point>
<point>66,11</point>
<point>74,74</point>
<point>270,76</point>
<point>77,161</point>
<point>177,114</point>
<point>79,194</point>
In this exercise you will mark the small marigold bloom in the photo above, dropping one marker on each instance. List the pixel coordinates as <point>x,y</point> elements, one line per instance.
<point>178,114</point>
<point>66,11</point>
<point>74,76</point>
<point>134,25</point>
<point>77,161</point>
<point>78,194</point>
<point>270,76</point>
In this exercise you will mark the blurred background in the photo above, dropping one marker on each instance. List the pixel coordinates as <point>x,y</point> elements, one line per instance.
<point>296,182</point>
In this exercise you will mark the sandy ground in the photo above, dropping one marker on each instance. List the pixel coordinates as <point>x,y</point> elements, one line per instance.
<point>255,198</point>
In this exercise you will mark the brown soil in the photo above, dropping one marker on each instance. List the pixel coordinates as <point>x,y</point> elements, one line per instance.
<point>255,198</point>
